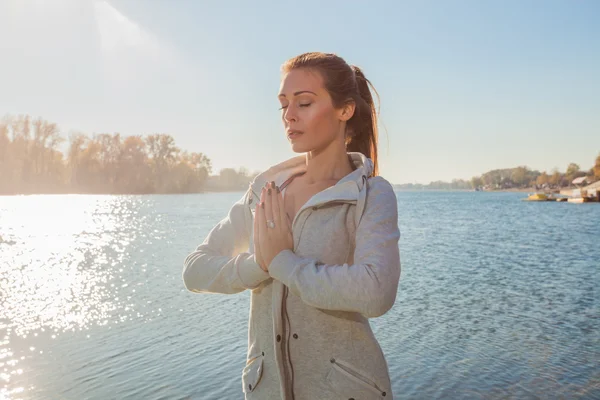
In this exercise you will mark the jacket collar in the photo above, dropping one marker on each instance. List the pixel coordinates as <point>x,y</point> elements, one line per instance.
<point>346,189</point>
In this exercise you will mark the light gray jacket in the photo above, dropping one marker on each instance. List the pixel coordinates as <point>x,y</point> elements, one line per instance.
<point>308,333</point>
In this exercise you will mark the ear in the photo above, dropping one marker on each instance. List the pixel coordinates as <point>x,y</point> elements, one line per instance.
<point>347,110</point>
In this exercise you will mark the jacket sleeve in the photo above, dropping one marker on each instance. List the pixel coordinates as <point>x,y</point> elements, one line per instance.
<point>368,286</point>
<point>221,264</point>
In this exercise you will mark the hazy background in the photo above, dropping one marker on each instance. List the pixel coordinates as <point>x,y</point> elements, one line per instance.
<point>498,298</point>
<point>466,86</point>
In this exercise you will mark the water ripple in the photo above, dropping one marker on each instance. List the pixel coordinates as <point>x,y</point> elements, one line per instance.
<point>498,299</point>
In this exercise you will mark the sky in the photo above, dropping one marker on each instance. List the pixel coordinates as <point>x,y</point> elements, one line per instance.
<point>465,86</point>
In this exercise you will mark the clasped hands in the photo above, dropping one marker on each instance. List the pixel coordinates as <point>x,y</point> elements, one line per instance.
<point>272,227</point>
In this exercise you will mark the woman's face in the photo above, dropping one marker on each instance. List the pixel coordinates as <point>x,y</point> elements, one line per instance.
<point>310,120</point>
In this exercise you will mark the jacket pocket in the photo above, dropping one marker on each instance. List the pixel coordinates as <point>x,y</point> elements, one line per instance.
<point>252,373</point>
<point>350,383</point>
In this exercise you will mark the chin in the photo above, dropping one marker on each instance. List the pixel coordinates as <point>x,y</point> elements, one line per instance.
<point>299,148</point>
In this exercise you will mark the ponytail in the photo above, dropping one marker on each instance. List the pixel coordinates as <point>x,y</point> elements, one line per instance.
<point>361,129</point>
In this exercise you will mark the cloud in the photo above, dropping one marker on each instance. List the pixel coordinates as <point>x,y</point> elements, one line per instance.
<point>117,32</point>
<point>131,55</point>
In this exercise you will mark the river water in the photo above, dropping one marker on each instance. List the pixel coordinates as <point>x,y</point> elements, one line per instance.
<point>498,299</point>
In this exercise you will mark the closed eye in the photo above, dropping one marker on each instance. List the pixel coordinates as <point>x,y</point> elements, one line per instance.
<point>300,105</point>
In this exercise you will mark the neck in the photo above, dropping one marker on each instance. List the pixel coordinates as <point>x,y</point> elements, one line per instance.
<point>330,163</point>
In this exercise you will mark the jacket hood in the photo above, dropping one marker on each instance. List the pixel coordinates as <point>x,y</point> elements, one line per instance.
<point>282,171</point>
<point>351,188</point>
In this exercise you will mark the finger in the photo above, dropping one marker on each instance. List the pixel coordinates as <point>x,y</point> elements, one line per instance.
<point>275,205</point>
<point>283,217</point>
<point>262,223</point>
<point>269,204</point>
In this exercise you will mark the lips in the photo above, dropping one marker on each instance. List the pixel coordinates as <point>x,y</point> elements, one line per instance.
<point>293,133</point>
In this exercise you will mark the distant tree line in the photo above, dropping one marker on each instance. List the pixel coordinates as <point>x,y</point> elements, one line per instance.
<point>512,178</point>
<point>31,162</point>
<point>456,184</point>
<point>523,177</point>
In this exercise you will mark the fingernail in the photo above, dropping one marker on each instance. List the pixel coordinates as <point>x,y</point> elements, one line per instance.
<point>269,191</point>
<point>277,187</point>
<point>273,184</point>
<point>262,205</point>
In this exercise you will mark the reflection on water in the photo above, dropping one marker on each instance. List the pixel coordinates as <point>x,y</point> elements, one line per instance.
<point>62,259</point>
<point>51,285</point>
<point>498,299</point>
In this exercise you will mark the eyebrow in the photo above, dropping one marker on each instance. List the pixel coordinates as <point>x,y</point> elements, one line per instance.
<point>297,93</point>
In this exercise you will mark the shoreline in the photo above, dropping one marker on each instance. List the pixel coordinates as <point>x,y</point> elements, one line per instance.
<point>512,190</point>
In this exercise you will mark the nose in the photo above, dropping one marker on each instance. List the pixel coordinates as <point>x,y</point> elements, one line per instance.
<point>289,115</point>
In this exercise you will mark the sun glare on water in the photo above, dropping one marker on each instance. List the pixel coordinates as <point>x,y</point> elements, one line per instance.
<point>60,267</point>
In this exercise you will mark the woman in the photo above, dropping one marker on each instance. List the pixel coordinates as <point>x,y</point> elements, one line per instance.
<point>320,255</point>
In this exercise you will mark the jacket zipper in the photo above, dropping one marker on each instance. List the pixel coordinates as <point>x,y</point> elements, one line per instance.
<point>283,355</point>
<point>285,344</point>
<point>288,346</point>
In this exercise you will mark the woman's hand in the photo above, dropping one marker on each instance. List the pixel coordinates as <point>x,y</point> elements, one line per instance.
<point>271,240</point>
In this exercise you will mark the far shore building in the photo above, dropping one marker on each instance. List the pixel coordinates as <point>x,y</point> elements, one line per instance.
<point>591,190</point>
